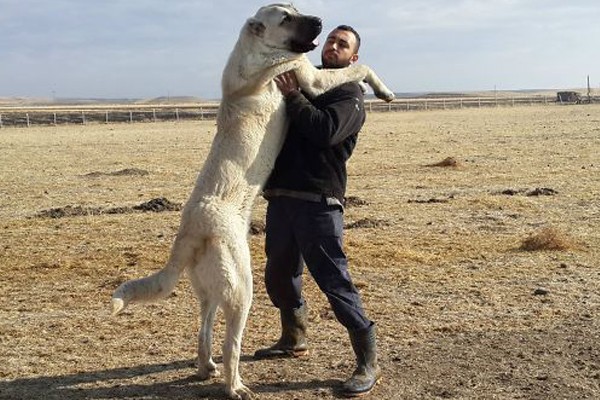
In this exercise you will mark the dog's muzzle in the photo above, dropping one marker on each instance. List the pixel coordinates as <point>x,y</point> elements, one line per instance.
<point>308,29</point>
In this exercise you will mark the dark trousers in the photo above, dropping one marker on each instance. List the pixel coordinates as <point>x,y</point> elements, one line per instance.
<point>297,231</point>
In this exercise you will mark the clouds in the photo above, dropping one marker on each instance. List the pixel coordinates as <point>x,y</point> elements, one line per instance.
<point>105,49</point>
<point>470,45</point>
<point>146,48</point>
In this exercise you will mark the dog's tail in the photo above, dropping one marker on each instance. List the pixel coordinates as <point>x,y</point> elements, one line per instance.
<point>158,285</point>
<point>154,287</point>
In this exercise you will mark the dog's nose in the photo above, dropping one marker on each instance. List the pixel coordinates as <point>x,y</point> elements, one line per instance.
<point>316,21</point>
<point>317,24</point>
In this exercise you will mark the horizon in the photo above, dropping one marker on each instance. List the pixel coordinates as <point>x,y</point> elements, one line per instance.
<point>368,96</point>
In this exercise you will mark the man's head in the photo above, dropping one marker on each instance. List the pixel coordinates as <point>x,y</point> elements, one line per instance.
<point>341,48</point>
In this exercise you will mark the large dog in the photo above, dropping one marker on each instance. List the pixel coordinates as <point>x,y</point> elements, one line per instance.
<point>212,240</point>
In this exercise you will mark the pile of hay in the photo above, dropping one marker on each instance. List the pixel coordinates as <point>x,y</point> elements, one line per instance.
<point>547,239</point>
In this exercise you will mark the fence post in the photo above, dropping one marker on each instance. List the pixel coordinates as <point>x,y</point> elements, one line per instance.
<point>177,114</point>
<point>83,117</point>
<point>479,102</point>
<point>154,114</point>
<point>54,115</point>
<point>106,121</point>
<point>201,114</point>
<point>28,123</point>
<point>130,116</point>
<point>0,120</point>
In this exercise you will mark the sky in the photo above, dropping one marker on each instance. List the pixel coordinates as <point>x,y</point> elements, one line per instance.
<point>154,48</point>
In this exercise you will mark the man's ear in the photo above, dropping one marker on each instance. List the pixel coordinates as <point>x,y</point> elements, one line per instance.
<point>354,58</point>
<point>256,27</point>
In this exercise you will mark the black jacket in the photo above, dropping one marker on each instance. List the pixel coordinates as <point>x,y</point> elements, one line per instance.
<point>322,135</point>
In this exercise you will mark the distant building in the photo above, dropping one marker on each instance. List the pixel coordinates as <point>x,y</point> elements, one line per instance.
<point>568,97</point>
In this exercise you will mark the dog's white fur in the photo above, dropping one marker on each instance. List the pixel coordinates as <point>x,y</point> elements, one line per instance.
<point>212,240</point>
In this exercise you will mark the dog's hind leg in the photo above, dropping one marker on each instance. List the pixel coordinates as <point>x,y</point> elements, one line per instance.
<point>201,282</point>
<point>236,306</point>
<point>206,366</point>
<point>235,318</point>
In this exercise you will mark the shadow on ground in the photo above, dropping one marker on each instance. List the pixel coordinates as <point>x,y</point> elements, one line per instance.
<point>119,383</point>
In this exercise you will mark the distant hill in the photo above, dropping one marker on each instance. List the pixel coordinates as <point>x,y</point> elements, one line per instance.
<point>172,100</point>
<point>180,100</point>
<point>32,101</point>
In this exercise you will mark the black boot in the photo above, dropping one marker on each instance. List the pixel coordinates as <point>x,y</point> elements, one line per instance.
<point>292,342</point>
<point>367,372</point>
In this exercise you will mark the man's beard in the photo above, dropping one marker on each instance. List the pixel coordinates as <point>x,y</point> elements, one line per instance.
<point>333,65</point>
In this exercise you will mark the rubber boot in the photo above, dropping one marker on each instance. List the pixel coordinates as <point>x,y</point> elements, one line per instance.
<point>292,342</point>
<point>367,372</point>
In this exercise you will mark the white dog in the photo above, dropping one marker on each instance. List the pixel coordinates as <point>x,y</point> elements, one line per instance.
<point>212,240</point>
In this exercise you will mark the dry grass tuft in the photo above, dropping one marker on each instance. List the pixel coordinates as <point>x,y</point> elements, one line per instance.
<point>547,239</point>
<point>355,201</point>
<point>448,162</point>
<point>257,227</point>
<point>122,172</point>
<point>367,223</point>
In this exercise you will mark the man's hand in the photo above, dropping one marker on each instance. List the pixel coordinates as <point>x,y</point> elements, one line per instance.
<point>287,83</point>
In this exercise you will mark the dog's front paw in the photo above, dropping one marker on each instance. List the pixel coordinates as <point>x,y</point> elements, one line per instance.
<point>386,95</point>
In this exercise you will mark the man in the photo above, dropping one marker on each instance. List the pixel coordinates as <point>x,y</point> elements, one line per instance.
<point>305,214</point>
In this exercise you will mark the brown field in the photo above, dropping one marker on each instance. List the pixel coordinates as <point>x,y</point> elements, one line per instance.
<point>473,235</point>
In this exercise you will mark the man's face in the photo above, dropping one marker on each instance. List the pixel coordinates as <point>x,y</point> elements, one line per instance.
<point>339,50</point>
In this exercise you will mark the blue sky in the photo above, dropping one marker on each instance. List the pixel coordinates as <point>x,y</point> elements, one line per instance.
<point>151,48</point>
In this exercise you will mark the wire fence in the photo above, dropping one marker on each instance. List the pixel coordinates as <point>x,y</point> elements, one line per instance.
<point>454,103</point>
<point>83,115</point>
<point>19,117</point>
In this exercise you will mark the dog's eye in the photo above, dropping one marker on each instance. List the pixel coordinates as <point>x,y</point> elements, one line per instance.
<point>286,18</point>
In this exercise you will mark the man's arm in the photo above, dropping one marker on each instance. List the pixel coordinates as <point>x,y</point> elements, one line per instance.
<point>341,117</point>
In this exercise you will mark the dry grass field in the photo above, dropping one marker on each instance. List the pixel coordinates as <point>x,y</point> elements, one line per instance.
<point>473,235</point>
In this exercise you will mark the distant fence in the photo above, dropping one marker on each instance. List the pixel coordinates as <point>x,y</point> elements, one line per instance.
<point>93,115</point>
<point>50,115</point>
<point>454,103</point>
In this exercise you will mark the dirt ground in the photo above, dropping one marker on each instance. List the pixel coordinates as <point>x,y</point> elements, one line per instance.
<point>465,309</point>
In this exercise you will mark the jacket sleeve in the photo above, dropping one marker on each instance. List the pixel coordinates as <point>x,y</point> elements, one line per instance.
<point>341,115</point>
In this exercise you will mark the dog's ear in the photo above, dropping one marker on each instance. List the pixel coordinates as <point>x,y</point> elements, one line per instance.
<point>256,27</point>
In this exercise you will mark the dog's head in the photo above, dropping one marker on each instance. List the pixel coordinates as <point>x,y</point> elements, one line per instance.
<point>282,27</point>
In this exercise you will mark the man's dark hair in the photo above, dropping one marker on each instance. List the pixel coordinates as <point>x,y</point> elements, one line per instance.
<point>351,29</point>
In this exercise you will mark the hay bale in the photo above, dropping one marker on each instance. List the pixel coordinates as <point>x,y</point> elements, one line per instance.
<point>547,239</point>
